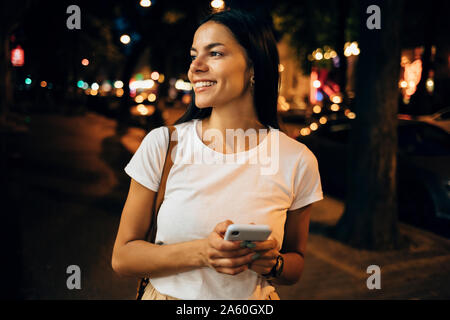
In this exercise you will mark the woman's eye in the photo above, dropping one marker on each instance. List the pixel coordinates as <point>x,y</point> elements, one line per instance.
<point>192,58</point>
<point>215,52</point>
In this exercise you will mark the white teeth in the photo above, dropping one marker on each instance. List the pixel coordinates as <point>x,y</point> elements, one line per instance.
<point>204,84</point>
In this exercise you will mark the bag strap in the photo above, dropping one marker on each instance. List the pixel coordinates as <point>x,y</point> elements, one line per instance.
<point>159,197</point>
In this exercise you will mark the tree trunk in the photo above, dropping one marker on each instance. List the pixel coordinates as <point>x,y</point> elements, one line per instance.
<point>342,24</point>
<point>6,93</point>
<point>370,217</point>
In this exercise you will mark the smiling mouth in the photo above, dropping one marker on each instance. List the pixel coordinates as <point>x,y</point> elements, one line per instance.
<point>201,86</point>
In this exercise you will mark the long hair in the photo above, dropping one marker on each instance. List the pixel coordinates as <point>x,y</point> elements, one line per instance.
<point>256,36</point>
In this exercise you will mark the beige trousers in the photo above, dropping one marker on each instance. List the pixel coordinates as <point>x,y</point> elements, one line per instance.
<point>152,294</point>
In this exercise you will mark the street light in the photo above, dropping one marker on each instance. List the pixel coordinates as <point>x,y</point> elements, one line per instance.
<point>125,39</point>
<point>218,4</point>
<point>145,3</point>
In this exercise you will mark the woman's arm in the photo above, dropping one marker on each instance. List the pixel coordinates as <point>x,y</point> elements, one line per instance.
<point>133,256</point>
<point>294,245</point>
<point>293,250</point>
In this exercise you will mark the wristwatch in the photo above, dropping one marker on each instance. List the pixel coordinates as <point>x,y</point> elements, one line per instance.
<point>276,270</point>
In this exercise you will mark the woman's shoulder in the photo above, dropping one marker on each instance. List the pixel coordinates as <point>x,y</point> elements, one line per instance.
<point>160,135</point>
<point>288,144</point>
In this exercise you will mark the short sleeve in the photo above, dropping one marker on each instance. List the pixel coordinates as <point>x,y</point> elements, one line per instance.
<point>307,184</point>
<point>147,163</point>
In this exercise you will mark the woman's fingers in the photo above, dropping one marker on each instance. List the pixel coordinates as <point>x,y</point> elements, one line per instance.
<point>232,262</point>
<point>221,227</point>
<point>215,254</point>
<point>232,271</point>
<point>265,245</point>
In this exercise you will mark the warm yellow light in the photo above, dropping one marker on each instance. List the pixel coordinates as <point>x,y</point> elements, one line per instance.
<point>305,131</point>
<point>154,75</point>
<point>139,99</point>
<point>181,85</point>
<point>125,39</point>
<point>326,55</point>
<point>280,67</point>
<point>118,84</point>
<point>313,126</point>
<point>430,85</point>
<point>142,109</point>
<point>323,120</point>
<point>161,78</point>
<point>94,92</point>
<point>403,84</point>
<point>336,99</point>
<point>145,3</point>
<point>318,56</point>
<point>351,115</point>
<point>119,92</point>
<point>317,109</point>
<point>142,84</point>
<point>43,84</point>
<point>334,107</point>
<point>85,62</point>
<point>151,97</point>
<point>333,54</point>
<point>316,84</point>
<point>218,4</point>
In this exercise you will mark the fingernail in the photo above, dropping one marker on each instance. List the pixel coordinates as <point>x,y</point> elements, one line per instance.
<point>251,245</point>
<point>256,256</point>
<point>244,244</point>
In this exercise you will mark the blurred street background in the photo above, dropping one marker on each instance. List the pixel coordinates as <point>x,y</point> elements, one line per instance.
<point>79,92</point>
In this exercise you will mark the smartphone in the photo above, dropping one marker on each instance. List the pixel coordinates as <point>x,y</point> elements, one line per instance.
<point>247,232</point>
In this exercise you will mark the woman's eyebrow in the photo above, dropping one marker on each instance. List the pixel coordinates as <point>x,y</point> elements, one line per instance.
<point>209,46</point>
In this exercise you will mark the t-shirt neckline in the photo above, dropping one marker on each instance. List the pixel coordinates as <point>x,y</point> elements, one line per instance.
<point>229,155</point>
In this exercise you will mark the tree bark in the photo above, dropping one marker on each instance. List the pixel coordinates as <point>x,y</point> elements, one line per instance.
<point>370,217</point>
<point>342,24</point>
<point>6,94</point>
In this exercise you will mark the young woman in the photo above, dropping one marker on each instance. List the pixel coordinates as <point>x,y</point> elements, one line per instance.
<point>234,72</point>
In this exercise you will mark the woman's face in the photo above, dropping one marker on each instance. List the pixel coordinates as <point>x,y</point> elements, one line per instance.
<point>217,57</point>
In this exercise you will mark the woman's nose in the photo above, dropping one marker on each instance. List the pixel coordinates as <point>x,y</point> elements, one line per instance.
<point>198,65</point>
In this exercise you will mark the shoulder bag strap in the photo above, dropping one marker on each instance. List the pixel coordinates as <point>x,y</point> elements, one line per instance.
<point>159,197</point>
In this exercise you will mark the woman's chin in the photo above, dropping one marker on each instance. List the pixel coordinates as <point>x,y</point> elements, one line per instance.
<point>201,105</point>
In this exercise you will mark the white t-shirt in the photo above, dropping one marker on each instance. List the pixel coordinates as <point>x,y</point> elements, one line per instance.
<point>205,187</point>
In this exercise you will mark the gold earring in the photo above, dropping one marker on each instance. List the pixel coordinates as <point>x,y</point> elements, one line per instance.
<point>252,81</point>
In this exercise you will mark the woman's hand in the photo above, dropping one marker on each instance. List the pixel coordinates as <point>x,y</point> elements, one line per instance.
<point>266,258</point>
<point>227,257</point>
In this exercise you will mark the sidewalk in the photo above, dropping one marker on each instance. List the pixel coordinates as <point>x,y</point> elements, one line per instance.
<point>334,270</point>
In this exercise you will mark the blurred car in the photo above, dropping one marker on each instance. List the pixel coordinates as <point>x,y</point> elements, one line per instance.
<point>440,119</point>
<point>423,171</point>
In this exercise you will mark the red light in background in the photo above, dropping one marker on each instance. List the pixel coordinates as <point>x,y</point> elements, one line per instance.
<point>17,57</point>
